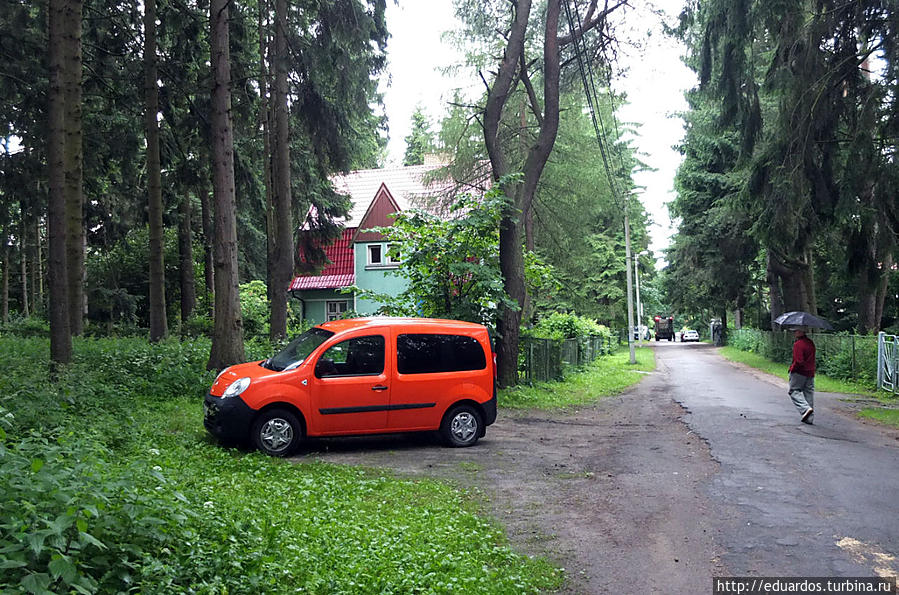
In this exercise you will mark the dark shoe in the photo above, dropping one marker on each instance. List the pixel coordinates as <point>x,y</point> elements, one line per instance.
<point>807,416</point>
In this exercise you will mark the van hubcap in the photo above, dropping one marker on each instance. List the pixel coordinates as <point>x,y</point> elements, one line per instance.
<point>276,434</point>
<point>464,426</point>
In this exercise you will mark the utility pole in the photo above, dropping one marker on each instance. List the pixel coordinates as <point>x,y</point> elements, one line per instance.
<point>630,285</point>
<point>639,308</point>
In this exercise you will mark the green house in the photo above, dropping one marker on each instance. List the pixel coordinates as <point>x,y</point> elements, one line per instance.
<point>361,257</point>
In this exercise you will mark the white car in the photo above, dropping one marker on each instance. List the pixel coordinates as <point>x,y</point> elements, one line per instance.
<point>690,336</point>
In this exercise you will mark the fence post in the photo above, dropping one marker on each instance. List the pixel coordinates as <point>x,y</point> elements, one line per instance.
<point>880,338</point>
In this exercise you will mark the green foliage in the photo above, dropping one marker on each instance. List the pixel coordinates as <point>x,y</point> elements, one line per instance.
<point>785,146</point>
<point>579,222</point>
<point>255,310</point>
<point>420,139</point>
<point>606,376</point>
<point>567,326</point>
<point>840,357</point>
<point>111,485</point>
<point>33,326</point>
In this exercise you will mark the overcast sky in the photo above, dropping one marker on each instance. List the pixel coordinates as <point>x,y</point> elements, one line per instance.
<point>654,79</point>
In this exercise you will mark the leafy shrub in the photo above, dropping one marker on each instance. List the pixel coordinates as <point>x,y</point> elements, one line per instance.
<point>198,326</point>
<point>567,326</point>
<point>73,521</point>
<point>32,326</point>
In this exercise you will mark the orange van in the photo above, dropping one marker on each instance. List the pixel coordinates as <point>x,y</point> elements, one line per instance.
<point>360,376</point>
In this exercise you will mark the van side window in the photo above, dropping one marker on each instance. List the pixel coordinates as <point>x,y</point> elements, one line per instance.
<point>426,354</point>
<point>361,356</point>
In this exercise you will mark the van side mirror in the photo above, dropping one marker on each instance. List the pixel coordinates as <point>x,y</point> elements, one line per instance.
<point>325,367</point>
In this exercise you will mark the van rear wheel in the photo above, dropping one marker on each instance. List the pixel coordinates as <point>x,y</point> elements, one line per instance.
<point>277,432</point>
<point>462,426</point>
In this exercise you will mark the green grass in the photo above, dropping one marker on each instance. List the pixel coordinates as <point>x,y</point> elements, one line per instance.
<point>822,382</point>
<point>608,375</point>
<point>111,484</point>
<point>886,416</point>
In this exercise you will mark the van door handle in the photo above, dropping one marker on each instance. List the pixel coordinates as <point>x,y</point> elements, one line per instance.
<point>379,387</point>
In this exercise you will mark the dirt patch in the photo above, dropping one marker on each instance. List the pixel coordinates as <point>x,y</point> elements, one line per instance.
<point>614,493</point>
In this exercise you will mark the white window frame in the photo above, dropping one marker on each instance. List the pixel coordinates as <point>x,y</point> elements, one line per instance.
<point>368,252</point>
<point>329,316</point>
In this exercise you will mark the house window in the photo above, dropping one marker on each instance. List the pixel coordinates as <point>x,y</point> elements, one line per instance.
<point>375,255</point>
<point>336,309</point>
<point>383,255</point>
<point>393,254</point>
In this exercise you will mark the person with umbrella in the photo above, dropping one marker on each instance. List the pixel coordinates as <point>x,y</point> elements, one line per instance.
<point>802,375</point>
<point>802,369</point>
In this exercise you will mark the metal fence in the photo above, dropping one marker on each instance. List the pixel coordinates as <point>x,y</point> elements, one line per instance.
<point>848,357</point>
<point>887,362</point>
<point>542,360</point>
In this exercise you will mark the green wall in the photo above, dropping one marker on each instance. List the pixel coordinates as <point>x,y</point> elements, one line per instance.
<point>380,280</point>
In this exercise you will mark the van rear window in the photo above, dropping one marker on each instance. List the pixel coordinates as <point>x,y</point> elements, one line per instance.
<point>426,354</point>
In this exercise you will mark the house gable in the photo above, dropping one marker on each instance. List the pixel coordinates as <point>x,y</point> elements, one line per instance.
<point>376,216</point>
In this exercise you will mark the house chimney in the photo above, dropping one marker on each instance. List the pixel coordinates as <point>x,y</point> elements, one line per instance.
<point>436,159</point>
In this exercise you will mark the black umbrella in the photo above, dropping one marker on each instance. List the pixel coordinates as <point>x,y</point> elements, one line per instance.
<point>802,319</point>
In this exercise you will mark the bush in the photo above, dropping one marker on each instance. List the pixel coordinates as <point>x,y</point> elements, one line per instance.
<point>31,326</point>
<point>840,356</point>
<point>566,326</point>
<point>73,521</point>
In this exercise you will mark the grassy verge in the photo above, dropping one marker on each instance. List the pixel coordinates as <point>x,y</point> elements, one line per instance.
<point>889,417</point>
<point>111,484</point>
<point>823,384</point>
<point>605,376</point>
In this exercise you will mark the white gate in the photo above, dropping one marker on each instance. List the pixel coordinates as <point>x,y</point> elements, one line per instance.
<point>887,362</point>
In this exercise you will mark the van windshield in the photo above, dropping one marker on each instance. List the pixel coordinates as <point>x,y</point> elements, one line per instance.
<point>297,350</point>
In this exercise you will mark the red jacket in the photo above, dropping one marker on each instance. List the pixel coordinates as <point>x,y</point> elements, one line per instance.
<point>803,357</point>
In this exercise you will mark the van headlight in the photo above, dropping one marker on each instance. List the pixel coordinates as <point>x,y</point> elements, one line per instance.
<point>236,387</point>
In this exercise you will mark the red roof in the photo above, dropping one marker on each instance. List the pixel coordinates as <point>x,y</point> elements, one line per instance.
<point>341,270</point>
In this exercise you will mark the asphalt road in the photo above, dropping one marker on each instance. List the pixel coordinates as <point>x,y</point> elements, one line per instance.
<point>805,500</point>
<point>701,470</point>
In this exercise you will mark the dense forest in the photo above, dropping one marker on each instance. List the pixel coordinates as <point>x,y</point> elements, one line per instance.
<point>159,159</point>
<point>787,193</point>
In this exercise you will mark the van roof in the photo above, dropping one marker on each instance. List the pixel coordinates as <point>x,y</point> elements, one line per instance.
<point>376,321</point>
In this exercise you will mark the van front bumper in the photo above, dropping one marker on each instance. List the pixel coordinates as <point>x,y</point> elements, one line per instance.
<point>227,419</point>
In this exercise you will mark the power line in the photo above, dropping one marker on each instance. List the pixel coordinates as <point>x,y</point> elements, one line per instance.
<point>583,61</point>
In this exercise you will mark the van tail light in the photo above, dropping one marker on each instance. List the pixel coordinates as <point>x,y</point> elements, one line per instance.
<point>494,368</point>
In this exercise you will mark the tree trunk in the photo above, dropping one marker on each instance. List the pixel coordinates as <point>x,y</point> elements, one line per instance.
<point>227,338</point>
<point>521,194</point>
<point>265,123</point>
<point>283,246</point>
<point>793,282</point>
<point>186,264</point>
<point>208,267</point>
<point>38,267</point>
<point>75,236</point>
<point>774,291</point>
<point>60,332</point>
<point>158,319</point>
<point>23,259</point>
<point>4,283</point>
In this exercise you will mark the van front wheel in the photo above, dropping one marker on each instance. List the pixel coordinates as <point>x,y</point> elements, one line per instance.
<point>462,426</point>
<point>277,432</point>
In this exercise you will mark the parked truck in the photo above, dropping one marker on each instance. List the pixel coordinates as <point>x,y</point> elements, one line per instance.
<point>664,328</point>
